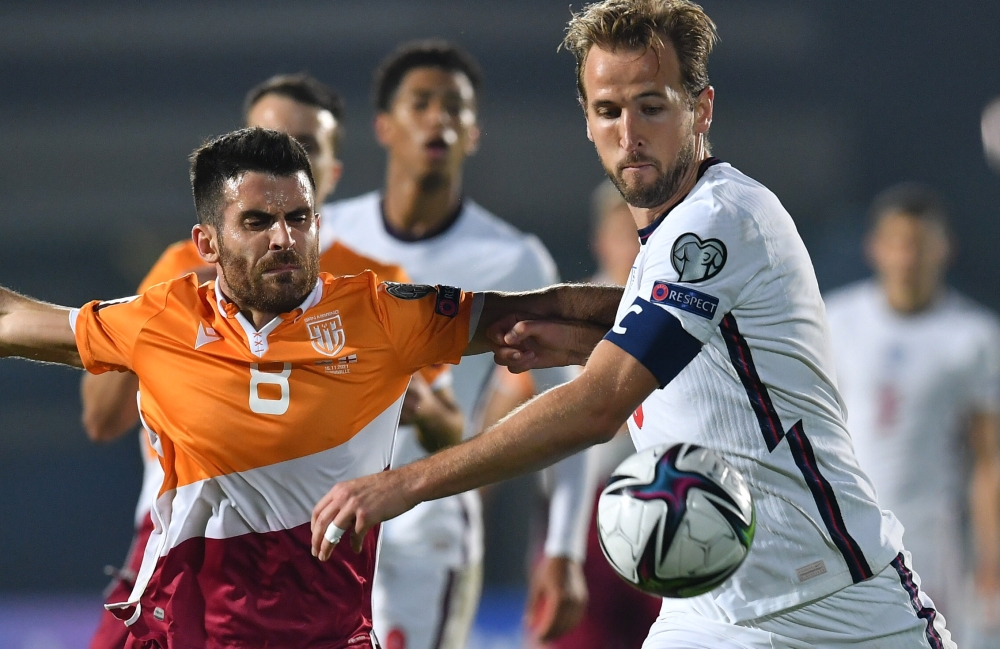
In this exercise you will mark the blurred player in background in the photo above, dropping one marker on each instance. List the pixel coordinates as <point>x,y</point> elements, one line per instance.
<point>617,615</point>
<point>430,562</point>
<point>313,114</point>
<point>918,365</point>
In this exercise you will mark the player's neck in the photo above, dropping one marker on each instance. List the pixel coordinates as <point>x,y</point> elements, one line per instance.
<point>256,318</point>
<point>645,216</point>
<point>416,210</point>
<point>909,300</point>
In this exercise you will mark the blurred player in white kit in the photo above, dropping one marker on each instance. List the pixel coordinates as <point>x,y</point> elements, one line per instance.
<point>918,365</point>
<point>430,563</point>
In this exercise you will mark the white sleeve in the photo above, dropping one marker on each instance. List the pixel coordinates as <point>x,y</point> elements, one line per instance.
<point>572,493</point>
<point>573,483</point>
<point>986,383</point>
<point>701,264</point>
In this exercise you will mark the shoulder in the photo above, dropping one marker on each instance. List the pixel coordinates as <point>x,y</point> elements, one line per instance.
<point>529,255</point>
<point>964,312</point>
<point>350,217</point>
<point>851,297</point>
<point>340,259</point>
<point>178,259</point>
<point>365,204</point>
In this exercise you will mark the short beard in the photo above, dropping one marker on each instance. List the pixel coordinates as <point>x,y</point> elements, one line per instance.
<point>665,186</point>
<point>278,294</point>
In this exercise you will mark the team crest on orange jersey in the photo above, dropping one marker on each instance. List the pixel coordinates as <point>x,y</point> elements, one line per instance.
<point>326,333</point>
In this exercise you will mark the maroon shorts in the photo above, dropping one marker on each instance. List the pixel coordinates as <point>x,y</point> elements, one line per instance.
<point>111,632</point>
<point>618,616</point>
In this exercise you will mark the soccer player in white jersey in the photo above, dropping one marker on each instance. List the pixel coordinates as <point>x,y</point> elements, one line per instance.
<point>919,368</point>
<point>430,562</point>
<point>721,340</point>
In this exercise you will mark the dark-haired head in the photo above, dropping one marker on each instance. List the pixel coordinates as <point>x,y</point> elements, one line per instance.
<point>229,156</point>
<point>912,199</point>
<point>908,245</point>
<point>255,198</point>
<point>422,54</point>
<point>305,89</point>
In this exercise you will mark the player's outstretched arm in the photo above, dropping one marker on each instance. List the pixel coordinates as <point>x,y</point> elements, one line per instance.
<point>109,406</point>
<point>36,330</point>
<point>583,313</point>
<point>562,421</point>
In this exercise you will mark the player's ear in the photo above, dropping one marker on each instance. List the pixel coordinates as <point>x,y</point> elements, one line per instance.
<point>336,171</point>
<point>703,109</point>
<point>383,129</point>
<point>472,144</point>
<point>590,136</point>
<point>204,237</point>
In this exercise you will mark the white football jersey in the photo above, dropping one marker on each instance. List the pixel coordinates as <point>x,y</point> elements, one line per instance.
<point>728,265</point>
<point>476,251</point>
<point>910,383</point>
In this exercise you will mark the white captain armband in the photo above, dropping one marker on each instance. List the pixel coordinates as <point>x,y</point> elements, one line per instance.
<point>655,338</point>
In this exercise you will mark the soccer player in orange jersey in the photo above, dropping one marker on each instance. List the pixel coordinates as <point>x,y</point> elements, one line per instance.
<point>259,391</point>
<point>312,113</point>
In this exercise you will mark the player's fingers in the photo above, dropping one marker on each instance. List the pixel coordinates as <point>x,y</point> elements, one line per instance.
<point>334,532</point>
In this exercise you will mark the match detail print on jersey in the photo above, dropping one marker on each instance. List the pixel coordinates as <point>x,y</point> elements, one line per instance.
<point>801,450</point>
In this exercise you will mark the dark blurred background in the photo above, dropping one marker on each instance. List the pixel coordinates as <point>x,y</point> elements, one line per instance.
<point>100,103</point>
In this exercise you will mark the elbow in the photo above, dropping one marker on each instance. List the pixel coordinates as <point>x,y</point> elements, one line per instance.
<point>604,425</point>
<point>99,430</point>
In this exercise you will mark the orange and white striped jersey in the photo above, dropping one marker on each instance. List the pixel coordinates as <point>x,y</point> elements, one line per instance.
<point>182,258</point>
<point>252,427</point>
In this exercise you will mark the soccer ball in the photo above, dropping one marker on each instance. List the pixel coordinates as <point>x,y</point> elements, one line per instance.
<point>675,521</point>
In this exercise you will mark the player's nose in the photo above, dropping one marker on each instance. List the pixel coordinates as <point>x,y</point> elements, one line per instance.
<point>629,136</point>
<point>281,236</point>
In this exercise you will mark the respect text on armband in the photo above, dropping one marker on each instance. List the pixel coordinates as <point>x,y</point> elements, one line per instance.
<point>685,299</point>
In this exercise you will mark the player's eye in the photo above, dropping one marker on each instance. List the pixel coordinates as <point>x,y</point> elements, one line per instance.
<point>609,112</point>
<point>255,223</point>
<point>652,109</point>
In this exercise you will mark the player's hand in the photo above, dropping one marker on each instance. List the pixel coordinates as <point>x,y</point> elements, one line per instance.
<point>523,345</point>
<point>355,507</point>
<point>557,598</point>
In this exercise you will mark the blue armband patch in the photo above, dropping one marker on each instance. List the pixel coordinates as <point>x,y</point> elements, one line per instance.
<point>685,299</point>
<point>655,338</point>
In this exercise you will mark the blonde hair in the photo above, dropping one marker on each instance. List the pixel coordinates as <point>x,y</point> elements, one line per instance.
<point>640,24</point>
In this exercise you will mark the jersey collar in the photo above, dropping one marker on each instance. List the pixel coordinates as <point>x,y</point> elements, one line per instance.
<point>257,339</point>
<point>399,235</point>
<point>646,232</point>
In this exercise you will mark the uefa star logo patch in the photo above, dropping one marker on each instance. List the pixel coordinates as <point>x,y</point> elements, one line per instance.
<point>408,291</point>
<point>696,260</point>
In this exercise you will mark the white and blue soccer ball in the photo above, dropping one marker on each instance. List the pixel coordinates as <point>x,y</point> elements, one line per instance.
<point>675,521</point>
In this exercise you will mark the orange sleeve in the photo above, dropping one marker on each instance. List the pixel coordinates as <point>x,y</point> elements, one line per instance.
<point>427,325</point>
<point>106,332</point>
<point>177,260</point>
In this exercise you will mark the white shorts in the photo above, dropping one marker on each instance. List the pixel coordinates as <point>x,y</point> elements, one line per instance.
<point>887,611</point>
<point>423,604</point>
